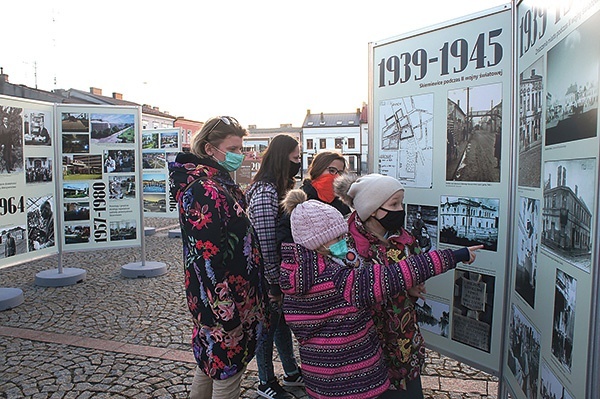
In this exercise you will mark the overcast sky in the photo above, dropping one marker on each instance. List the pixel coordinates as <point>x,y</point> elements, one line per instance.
<point>264,62</point>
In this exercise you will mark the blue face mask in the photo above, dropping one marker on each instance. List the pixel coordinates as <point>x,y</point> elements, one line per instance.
<point>339,249</point>
<point>232,161</point>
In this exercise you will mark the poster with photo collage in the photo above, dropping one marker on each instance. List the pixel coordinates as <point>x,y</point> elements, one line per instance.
<point>27,181</point>
<point>100,204</point>
<point>159,147</point>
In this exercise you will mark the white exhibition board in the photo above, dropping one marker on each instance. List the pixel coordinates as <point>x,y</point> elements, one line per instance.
<point>27,181</point>
<point>99,176</point>
<point>441,106</point>
<point>159,147</point>
<point>554,266</point>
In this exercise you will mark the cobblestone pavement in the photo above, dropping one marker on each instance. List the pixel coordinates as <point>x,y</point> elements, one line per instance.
<point>113,337</point>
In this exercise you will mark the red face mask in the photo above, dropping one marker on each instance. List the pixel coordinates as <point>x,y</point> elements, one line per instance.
<point>324,186</point>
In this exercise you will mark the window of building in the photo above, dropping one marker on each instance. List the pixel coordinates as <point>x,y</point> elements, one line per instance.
<point>309,144</point>
<point>339,144</point>
<point>351,143</point>
<point>322,143</point>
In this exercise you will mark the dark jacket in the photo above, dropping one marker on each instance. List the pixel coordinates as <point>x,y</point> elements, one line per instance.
<point>222,265</point>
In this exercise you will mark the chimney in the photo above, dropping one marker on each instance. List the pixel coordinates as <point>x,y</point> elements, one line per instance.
<point>117,96</point>
<point>357,111</point>
<point>251,127</point>
<point>308,112</point>
<point>576,191</point>
<point>532,73</point>
<point>3,77</point>
<point>96,91</point>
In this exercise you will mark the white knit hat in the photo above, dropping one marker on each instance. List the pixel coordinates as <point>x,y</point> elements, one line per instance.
<point>369,192</point>
<point>315,223</point>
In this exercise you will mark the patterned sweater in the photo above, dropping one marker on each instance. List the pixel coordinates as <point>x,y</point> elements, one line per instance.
<point>328,305</point>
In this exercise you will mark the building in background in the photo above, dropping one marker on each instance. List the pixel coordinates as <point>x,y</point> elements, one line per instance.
<point>189,128</point>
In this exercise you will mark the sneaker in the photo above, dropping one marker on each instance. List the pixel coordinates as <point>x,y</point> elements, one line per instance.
<point>294,380</point>
<point>272,390</point>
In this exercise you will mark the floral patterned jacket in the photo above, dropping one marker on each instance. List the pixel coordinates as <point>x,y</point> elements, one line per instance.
<point>395,318</point>
<point>222,264</point>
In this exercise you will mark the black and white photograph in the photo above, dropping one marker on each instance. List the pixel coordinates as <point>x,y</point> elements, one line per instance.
<point>524,352</point>
<point>169,139</point>
<point>531,96</point>
<point>572,97</point>
<point>119,161</point>
<point>474,134</point>
<point>73,190</point>
<point>76,211</point>
<point>36,128</point>
<point>77,233</point>
<point>113,128</point>
<point>154,183</point>
<point>563,321</point>
<point>433,316</point>
<point>38,170</point>
<point>155,203</point>
<point>551,387</point>
<point>121,187</point>
<point>422,223</point>
<point>473,309</point>
<point>567,210</point>
<point>40,222</point>
<point>153,160</point>
<point>469,221</point>
<point>123,230</point>
<point>13,240</point>
<point>75,122</point>
<point>75,143</point>
<point>82,167</point>
<point>11,143</point>
<point>528,229</point>
<point>149,140</point>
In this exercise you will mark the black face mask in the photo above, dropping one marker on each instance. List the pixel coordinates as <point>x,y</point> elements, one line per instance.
<point>294,168</point>
<point>393,221</point>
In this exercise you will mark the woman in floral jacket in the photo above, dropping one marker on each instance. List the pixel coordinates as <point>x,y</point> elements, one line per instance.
<point>223,264</point>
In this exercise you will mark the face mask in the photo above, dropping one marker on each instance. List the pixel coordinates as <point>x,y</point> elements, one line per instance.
<point>339,249</point>
<point>294,168</point>
<point>393,221</point>
<point>232,161</point>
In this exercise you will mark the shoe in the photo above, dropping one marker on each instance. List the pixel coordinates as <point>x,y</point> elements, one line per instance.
<point>272,390</point>
<point>294,380</point>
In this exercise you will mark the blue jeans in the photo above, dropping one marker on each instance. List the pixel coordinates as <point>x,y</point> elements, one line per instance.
<point>280,334</point>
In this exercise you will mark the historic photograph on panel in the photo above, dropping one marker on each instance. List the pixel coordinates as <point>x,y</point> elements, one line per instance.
<point>13,240</point>
<point>474,134</point>
<point>531,95</point>
<point>75,143</point>
<point>36,128</point>
<point>121,187</point>
<point>473,309</point>
<point>38,170</point>
<point>11,144</point>
<point>524,352</point>
<point>149,140</point>
<point>113,128</point>
<point>77,211</point>
<point>122,230</point>
<point>551,387</point>
<point>528,228</point>
<point>567,217</point>
<point>40,222</point>
<point>572,98</point>
<point>433,316</point>
<point>154,183</point>
<point>76,190</point>
<point>77,233</point>
<point>153,160</point>
<point>75,122</point>
<point>407,139</point>
<point>422,223</point>
<point>119,161</point>
<point>563,324</point>
<point>155,203</point>
<point>169,139</point>
<point>82,167</point>
<point>469,221</point>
